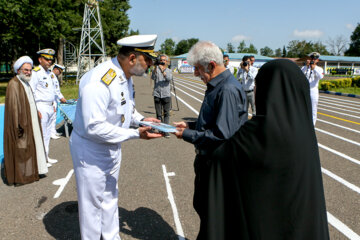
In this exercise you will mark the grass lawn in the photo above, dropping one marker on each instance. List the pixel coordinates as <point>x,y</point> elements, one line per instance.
<point>69,91</point>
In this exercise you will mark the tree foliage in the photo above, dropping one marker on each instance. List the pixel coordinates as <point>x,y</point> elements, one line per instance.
<point>184,45</point>
<point>278,52</point>
<point>241,48</point>
<point>354,49</point>
<point>168,47</point>
<point>28,25</point>
<point>337,45</point>
<point>298,49</point>
<point>251,49</point>
<point>266,51</point>
<point>230,48</point>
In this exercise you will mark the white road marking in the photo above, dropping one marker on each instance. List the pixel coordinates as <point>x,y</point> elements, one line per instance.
<point>179,229</point>
<point>186,104</point>
<point>342,227</point>
<point>337,104</point>
<point>337,136</point>
<point>340,154</point>
<point>342,108</point>
<point>339,99</point>
<point>179,89</point>
<point>341,180</point>
<point>337,125</point>
<point>62,182</point>
<point>345,114</point>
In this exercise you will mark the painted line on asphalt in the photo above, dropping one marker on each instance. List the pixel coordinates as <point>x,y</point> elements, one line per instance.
<point>340,126</point>
<point>337,104</point>
<point>186,104</point>
<point>340,154</point>
<point>337,136</point>
<point>345,114</point>
<point>200,93</point>
<point>342,227</point>
<point>179,89</point>
<point>342,119</point>
<point>62,182</point>
<point>179,229</point>
<point>340,99</point>
<point>342,109</point>
<point>341,180</point>
<point>196,85</point>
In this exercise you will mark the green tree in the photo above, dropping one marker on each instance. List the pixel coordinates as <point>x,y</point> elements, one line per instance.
<point>241,48</point>
<point>354,49</point>
<point>278,52</point>
<point>230,48</point>
<point>284,53</point>
<point>251,49</point>
<point>168,47</point>
<point>184,45</point>
<point>266,51</point>
<point>298,49</point>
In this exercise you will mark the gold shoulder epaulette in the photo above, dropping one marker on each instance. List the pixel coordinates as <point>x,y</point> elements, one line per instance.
<point>37,68</point>
<point>109,76</point>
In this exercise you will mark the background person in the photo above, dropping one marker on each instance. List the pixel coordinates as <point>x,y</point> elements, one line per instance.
<point>221,115</point>
<point>24,153</point>
<point>313,73</point>
<point>227,65</point>
<point>268,175</point>
<point>104,113</point>
<point>56,71</point>
<point>247,77</point>
<point>44,93</point>
<point>162,77</point>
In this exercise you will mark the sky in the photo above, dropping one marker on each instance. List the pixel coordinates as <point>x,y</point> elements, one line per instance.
<point>272,23</point>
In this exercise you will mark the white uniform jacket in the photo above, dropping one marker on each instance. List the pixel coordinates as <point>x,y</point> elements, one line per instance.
<point>313,76</point>
<point>106,106</point>
<point>42,85</point>
<point>247,78</point>
<point>58,94</point>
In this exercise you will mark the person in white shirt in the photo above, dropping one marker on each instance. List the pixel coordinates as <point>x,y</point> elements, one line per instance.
<point>246,76</point>
<point>104,113</point>
<point>227,64</point>
<point>56,71</point>
<point>313,73</point>
<point>44,93</point>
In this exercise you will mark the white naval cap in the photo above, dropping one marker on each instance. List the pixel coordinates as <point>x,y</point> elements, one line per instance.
<point>314,55</point>
<point>56,65</point>
<point>47,53</point>
<point>21,61</point>
<point>140,43</point>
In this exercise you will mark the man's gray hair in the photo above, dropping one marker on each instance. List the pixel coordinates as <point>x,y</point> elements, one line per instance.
<point>164,55</point>
<point>203,53</point>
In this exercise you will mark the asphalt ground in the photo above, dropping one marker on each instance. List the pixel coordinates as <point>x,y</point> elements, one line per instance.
<point>156,177</point>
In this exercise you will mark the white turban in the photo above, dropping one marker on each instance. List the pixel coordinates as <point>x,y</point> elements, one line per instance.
<point>21,61</point>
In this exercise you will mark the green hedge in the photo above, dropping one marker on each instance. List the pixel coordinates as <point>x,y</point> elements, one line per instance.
<point>329,85</point>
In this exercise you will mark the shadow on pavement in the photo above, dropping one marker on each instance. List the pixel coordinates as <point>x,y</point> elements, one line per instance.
<point>145,224</point>
<point>62,221</point>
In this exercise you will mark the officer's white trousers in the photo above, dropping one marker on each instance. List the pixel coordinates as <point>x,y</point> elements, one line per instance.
<point>97,171</point>
<point>47,113</point>
<point>314,95</point>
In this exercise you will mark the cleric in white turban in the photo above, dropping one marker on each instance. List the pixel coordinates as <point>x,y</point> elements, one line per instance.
<point>24,152</point>
<point>21,61</point>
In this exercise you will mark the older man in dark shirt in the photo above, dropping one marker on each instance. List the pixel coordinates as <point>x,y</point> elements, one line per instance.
<point>222,113</point>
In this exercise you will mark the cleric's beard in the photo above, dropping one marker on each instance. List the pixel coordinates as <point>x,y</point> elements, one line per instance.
<point>25,78</point>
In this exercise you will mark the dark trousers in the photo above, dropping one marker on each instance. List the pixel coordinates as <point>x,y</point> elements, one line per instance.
<point>162,108</point>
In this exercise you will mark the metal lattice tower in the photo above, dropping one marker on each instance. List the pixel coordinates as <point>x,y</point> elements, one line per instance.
<point>92,51</point>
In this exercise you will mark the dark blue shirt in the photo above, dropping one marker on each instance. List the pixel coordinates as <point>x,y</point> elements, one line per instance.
<point>222,113</point>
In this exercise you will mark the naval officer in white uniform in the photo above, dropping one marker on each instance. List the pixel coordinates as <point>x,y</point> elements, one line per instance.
<point>105,110</point>
<point>313,73</point>
<point>44,93</point>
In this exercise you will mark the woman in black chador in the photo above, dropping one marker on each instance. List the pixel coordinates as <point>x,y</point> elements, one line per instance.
<point>265,182</point>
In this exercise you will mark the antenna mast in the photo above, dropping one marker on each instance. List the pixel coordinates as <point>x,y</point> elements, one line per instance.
<point>92,51</point>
